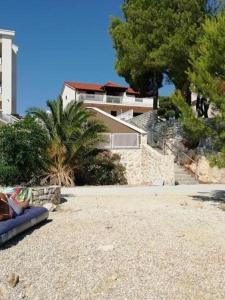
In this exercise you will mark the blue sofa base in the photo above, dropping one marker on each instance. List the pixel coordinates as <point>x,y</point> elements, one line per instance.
<point>30,217</point>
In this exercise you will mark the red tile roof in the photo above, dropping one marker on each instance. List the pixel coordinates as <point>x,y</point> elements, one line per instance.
<point>131,91</point>
<point>114,85</point>
<point>85,86</point>
<point>97,87</point>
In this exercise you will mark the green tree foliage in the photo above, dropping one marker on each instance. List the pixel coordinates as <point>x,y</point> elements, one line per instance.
<point>194,128</point>
<point>23,147</point>
<point>155,38</point>
<point>167,109</point>
<point>73,134</point>
<point>207,75</point>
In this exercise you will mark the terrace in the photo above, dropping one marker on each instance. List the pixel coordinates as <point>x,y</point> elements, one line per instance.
<point>114,99</point>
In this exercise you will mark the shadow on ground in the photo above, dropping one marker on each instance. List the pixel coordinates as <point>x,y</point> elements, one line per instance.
<point>65,196</point>
<point>15,240</point>
<point>63,200</point>
<point>215,196</point>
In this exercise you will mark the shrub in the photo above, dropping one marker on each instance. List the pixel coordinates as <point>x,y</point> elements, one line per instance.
<point>23,148</point>
<point>8,174</point>
<point>102,169</point>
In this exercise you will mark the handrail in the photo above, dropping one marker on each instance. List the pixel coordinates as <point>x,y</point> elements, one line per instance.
<point>185,154</point>
<point>172,150</point>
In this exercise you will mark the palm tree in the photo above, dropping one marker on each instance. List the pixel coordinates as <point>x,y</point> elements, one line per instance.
<point>74,135</point>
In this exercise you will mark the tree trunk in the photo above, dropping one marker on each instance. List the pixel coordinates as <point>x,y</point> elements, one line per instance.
<point>155,92</point>
<point>186,92</point>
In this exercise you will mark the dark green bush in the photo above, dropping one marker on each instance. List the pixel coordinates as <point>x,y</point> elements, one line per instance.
<point>8,174</point>
<point>23,150</point>
<point>102,169</point>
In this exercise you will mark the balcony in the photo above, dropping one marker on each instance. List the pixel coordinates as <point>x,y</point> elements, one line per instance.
<point>116,100</point>
<point>138,99</point>
<point>90,97</point>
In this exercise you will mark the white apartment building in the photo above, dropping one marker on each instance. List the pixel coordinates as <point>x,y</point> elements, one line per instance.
<point>115,99</point>
<point>8,53</point>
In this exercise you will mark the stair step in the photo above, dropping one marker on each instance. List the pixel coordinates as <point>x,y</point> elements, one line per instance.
<point>183,177</point>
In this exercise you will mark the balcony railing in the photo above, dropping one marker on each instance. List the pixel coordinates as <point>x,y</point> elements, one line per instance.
<point>138,99</point>
<point>0,89</point>
<point>103,98</point>
<point>90,97</point>
<point>0,60</point>
<point>120,141</point>
<point>113,99</point>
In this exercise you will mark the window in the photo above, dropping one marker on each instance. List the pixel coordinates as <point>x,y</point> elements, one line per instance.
<point>136,114</point>
<point>114,113</point>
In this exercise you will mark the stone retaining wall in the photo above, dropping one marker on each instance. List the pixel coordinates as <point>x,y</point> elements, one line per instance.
<point>157,169</point>
<point>206,173</point>
<point>147,166</point>
<point>131,160</point>
<point>48,194</point>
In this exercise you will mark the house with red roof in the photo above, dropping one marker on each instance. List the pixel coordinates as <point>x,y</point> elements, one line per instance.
<point>118,100</point>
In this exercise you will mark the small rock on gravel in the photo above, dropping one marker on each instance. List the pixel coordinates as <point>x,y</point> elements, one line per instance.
<point>13,280</point>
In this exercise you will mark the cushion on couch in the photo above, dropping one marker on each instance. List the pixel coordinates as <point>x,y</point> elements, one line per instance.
<point>30,217</point>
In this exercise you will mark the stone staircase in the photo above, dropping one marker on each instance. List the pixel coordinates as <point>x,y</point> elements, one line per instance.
<point>182,176</point>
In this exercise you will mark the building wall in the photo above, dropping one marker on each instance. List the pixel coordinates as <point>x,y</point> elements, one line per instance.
<point>118,108</point>
<point>67,95</point>
<point>8,72</point>
<point>127,98</point>
<point>14,82</point>
<point>113,126</point>
<point>147,166</point>
<point>131,160</point>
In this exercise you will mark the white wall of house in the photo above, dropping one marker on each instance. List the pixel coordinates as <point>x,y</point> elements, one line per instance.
<point>68,94</point>
<point>8,71</point>
<point>131,98</point>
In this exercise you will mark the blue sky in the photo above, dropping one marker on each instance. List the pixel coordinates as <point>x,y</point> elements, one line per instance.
<point>60,41</point>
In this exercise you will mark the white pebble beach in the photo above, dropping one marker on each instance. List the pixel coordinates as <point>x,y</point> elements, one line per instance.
<point>123,243</point>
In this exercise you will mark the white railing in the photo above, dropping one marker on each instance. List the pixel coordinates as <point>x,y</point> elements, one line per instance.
<point>127,115</point>
<point>120,141</point>
<point>90,97</point>
<point>0,60</point>
<point>0,89</point>
<point>109,99</point>
<point>113,99</point>
<point>138,99</point>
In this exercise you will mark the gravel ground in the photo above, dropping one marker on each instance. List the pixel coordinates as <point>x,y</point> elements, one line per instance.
<point>123,243</point>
